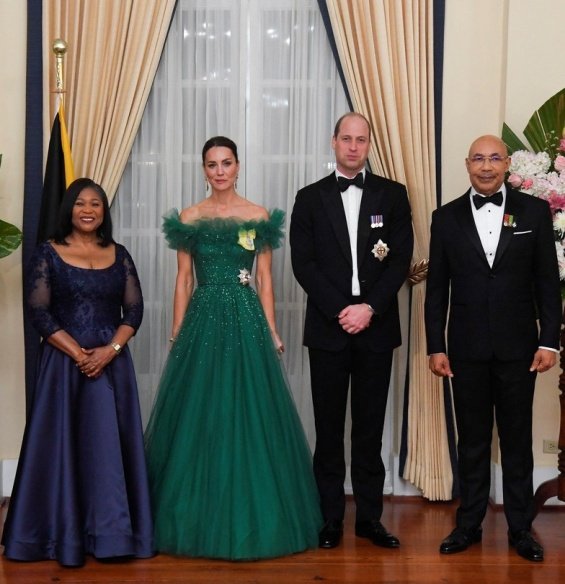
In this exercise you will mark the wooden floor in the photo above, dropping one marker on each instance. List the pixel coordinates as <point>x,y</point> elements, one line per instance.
<point>419,524</point>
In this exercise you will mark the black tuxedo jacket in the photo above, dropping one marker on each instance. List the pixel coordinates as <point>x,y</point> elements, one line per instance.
<point>493,311</point>
<point>322,264</point>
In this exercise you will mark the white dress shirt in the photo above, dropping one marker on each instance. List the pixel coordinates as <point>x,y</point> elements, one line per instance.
<point>351,199</point>
<point>488,220</point>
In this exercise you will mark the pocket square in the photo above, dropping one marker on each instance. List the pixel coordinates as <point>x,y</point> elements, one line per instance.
<point>522,232</point>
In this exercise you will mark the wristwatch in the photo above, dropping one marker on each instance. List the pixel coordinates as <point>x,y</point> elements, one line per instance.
<point>117,347</point>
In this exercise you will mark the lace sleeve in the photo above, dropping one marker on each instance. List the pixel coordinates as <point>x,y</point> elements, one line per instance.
<point>132,304</point>
<point>38,292</point>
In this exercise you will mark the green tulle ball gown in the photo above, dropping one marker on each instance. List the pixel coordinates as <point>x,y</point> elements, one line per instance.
<point>229,466</point>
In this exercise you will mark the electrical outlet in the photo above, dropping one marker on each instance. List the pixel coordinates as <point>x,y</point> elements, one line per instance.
<point>550,446</point>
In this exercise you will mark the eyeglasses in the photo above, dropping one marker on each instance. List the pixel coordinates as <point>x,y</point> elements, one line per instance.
<point>479,159</point>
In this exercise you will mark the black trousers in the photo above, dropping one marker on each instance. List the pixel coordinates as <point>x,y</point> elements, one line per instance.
<point>482,390</point>
<point>331,373</point>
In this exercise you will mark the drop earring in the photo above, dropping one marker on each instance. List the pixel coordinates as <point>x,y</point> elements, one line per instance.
<point>207,185</point>
<point>235,184</point>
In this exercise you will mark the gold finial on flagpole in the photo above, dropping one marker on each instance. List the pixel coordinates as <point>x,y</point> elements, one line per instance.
<point>59,48</point>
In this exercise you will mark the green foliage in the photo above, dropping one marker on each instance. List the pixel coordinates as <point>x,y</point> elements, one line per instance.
<point>513,143</point>
<point>544,129</point>
<point>10,238</point>
<point>10,235</point>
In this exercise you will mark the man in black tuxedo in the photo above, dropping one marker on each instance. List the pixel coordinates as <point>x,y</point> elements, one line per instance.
<point>493,264</point>
<point>351,241</point>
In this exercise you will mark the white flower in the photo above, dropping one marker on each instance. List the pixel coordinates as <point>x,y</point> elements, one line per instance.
<point>551,183</point>
<point>529,164</point>
<point>560,259</point>
<point>559,224</point>
<point>533,170</point>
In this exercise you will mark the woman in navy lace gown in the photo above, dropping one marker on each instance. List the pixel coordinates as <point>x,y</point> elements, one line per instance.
<point>81,485</point>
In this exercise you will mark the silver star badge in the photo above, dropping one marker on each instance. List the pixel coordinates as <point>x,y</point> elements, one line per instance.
<point>380,250</point>
<point>244,277</point>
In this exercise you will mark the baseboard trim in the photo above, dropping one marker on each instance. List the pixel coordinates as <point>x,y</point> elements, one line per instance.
<point>7,475</point>
<point>541,474</point>
<point>394,484</point>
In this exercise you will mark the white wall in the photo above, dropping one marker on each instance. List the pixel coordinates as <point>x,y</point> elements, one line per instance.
<point>12,133</point>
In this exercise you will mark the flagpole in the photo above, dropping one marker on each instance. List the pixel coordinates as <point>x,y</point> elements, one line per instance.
<point>59,48</point>
<point>59,167</point>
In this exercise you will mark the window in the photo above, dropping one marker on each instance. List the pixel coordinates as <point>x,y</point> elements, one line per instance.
<point>262,73</point>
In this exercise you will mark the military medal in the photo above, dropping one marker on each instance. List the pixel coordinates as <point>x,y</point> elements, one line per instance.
<point>244,277</point>
<point>509,220</point>
<point>380,250</point>
<point>376,221</point>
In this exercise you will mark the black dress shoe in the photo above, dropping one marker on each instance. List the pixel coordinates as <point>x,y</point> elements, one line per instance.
<point>375,531</point>
<point>330,535</point>
<point>460,539</point>
<point>526,545</point>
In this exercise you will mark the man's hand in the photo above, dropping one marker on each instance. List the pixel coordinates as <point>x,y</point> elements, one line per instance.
<point>355,318</point>
<point>543,360</point>
<point>439,364</point>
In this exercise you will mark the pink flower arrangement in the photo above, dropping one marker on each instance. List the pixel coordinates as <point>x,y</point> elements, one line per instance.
<point>532,173</point>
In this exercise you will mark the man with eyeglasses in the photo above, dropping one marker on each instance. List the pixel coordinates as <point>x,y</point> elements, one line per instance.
<point>493,268</point>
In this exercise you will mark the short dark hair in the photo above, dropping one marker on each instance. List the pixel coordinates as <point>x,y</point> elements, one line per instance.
<point>65,218</point>
<point>350,115</point>
<point>220,141</point>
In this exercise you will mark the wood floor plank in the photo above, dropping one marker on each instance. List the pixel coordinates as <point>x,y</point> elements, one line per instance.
<point>419,524</point>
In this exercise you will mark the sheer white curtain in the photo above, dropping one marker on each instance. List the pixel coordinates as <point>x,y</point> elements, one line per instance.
<point>262,73</point>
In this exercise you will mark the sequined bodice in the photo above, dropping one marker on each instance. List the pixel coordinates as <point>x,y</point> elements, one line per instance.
<point>216,263</point>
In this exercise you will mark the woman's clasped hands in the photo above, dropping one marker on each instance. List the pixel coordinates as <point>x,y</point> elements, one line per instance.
<point>91,362</point>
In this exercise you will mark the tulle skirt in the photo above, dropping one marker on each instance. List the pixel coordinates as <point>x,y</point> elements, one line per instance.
<point>229,465</point>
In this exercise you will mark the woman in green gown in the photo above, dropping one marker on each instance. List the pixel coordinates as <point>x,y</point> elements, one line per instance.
<point>229,466</point>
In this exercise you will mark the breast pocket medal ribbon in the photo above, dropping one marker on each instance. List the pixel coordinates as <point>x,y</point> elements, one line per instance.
<point>376,221</point>
<point>509,220</point>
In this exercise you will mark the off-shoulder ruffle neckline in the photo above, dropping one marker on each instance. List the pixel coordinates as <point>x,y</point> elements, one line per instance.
<point>275,216</point>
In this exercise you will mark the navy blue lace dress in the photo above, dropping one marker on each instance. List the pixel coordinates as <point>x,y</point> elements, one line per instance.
<point>81,485</point>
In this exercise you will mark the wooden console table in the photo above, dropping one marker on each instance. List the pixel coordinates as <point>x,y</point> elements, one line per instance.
<point>556,487</point>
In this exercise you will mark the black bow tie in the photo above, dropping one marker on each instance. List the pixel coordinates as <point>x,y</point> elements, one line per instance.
<point>344,183</point>
<point>495,199</point>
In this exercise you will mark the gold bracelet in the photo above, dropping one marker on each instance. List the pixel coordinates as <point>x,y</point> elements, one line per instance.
<point>117,347</point>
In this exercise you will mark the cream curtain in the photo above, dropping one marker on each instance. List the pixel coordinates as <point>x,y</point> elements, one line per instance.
<point>386,51</point>
<point>261,72</point>
<point>114,48</point>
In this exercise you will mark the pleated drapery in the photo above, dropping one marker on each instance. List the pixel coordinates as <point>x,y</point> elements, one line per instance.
<point>262,73</point>
<point>386,51</point>
<point>114,48</point>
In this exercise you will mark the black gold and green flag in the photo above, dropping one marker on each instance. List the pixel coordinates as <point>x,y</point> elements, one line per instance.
<point>59,174</point>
